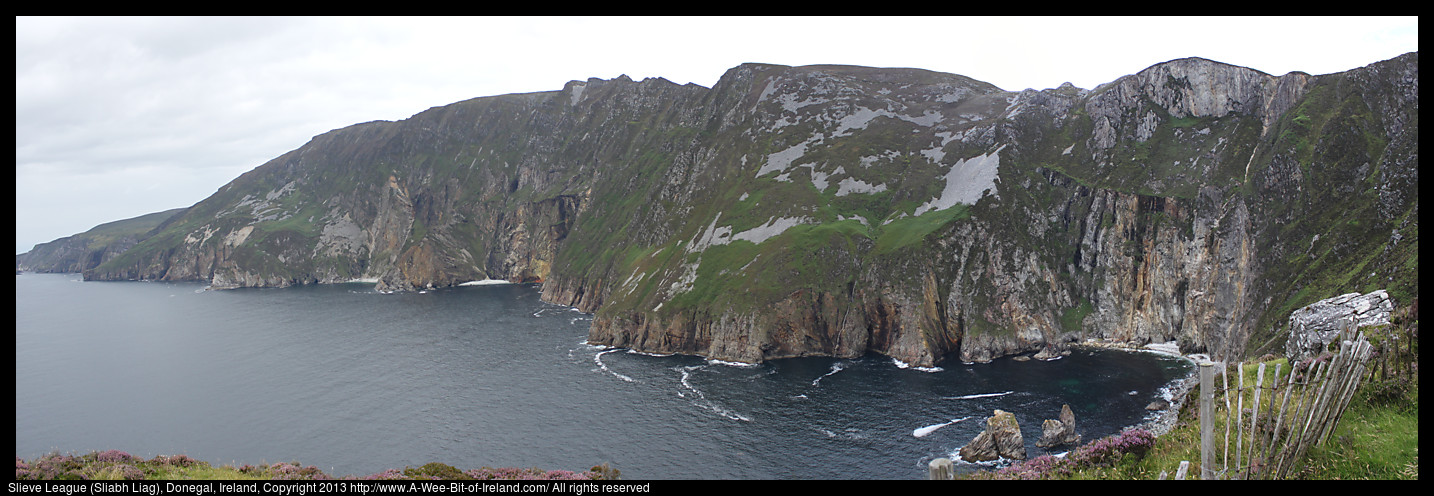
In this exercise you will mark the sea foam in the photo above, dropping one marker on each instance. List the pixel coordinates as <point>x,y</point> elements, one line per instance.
<point>974,396</point>
<point>485,282</point>
<point>598,360</point>
<point>924,431</point>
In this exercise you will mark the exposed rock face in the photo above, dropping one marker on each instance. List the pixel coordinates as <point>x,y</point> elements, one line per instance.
<point>1315,326</point>
<point>91,248</point>
<point>1056,432</point>
<point>1001,439</point>
<point>838,210</point>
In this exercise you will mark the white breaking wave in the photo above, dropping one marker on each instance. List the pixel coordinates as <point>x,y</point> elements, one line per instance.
<point>850,433</point>
<point>702,400</point>
<point>974,396</point>
<point>923,431</point>
<point>836,367</point>
<point>648,353</point>
<point>484,282</point>
<point>598,360</point>
<point>903,365</point>
<point>744,365</point>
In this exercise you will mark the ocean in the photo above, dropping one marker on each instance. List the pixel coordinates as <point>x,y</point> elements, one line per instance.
<point>354,382</point>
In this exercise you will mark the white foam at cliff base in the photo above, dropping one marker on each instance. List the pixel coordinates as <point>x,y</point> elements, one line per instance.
<point>1169,348</point>
<point>903,365</point>
<point>598,360</point>
<point>745,365</point>
<point>702,400</point>
<point>485,282</point>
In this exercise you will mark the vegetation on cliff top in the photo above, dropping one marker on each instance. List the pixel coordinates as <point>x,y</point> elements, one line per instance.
<point>119,465</point>
<point>1377,438</point>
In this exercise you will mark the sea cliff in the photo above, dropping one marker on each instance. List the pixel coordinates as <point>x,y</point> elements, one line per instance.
<point>840,210</point>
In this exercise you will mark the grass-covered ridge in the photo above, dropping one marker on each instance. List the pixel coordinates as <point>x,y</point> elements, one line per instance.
<point>119,465</point>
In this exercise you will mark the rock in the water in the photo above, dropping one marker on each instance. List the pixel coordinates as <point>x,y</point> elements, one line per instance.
<point>980,449</point>
<point>1001,439</point>
<point>1314,327</point>
<point>1058,432</point>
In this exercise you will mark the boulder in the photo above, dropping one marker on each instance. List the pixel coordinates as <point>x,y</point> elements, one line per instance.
<point>1001,439</point>
<point>1315,326</point>
<point>1056,432</point>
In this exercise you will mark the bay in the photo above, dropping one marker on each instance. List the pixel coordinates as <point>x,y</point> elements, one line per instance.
<point>356,382</point>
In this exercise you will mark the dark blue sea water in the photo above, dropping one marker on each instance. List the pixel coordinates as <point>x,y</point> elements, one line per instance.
<point>355,382</point>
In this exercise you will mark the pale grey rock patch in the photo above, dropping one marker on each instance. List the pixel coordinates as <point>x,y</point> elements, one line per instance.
<point>967,180</point>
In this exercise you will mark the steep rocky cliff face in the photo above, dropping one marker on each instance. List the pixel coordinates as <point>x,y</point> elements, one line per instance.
<point>89,249</point>
<point>838,211</point>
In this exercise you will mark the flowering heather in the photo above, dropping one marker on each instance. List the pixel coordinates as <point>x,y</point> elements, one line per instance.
<point>1110,449</point>
<point>119,465</point>
<point>115,456</point>
<point>1041,467</point>
<point>486,473</point>
<point>175,460</point>
<point>119,471</point>
<point>390,474</point>
<point>292,471</point>
<point>50,467</point>
<point>1101,452</point>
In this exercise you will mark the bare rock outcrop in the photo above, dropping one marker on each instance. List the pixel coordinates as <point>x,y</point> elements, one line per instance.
<point>839,210</point>
<point>1315,326</point>
<point>1001,439</point>
<point>1057,432</point>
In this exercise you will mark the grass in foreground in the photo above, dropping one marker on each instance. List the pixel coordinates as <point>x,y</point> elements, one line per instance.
<point>118,465</point>
<point>1378,438</point>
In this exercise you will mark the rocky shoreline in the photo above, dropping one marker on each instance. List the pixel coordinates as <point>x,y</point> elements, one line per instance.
<point>1177,391</point>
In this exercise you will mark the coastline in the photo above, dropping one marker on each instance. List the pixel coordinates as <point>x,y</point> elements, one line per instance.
<point>1161,421</point>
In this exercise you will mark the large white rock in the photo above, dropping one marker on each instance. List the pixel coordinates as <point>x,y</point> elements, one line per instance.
<point>1314,327</point>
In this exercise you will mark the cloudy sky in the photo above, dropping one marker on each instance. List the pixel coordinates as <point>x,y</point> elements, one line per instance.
<point>119,117</point>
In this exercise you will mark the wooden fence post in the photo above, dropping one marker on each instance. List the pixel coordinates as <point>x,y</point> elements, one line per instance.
<point>939,469</point>
<point>1300,411</point>
<point>1207,420</point>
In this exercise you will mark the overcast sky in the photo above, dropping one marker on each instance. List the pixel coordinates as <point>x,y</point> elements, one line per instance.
<point>120,117</point>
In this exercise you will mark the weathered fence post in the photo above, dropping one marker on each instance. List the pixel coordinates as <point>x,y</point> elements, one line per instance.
<point>1301,410</point>
<point>1207,420</point>
<point>1229,415</point>
<point>1255,416</point>
<point>1239,417</point>
<point>939,469</point>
